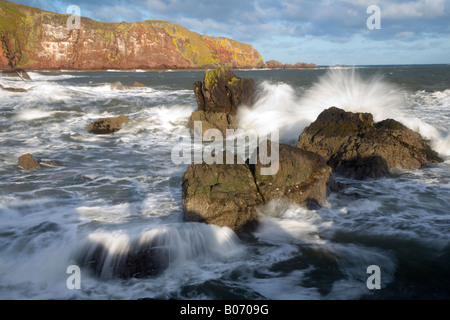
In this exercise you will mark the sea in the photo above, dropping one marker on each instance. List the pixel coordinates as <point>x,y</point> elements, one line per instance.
<point>376,239</point>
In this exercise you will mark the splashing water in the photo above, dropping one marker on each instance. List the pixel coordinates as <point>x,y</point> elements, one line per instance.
<point>279,107</point>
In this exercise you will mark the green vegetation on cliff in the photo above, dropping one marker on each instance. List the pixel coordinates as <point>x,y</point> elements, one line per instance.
<point>37,39</point>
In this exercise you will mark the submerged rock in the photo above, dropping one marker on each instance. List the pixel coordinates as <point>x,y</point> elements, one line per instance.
<point>119,86</point>
<point>139,85</point>
<point>355,146</point>
<point>110,256</point>
<point>108,125</point>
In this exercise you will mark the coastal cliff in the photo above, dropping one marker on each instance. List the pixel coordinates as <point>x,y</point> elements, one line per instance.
<point>32,38</point>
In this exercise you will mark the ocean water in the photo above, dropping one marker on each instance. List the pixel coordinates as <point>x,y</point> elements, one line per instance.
<point>122,191</point>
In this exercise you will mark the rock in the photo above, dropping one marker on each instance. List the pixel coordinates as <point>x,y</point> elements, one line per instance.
<point>218,97</point>
<point>108,125</point>
<point>213,120</point>
<point>303,177</point>
<point>16,73</point>
<point>13,89</point>
<point>222,91</point>
<point>221,194</point>
<point>139,85</point>
<point>229,194</point>
<point>27,162</point>
<point>354,146</point>
<point>119,86</point>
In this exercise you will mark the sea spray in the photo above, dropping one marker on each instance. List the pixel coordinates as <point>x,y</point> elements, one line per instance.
<point>120,255</point>
<point>279,107</point>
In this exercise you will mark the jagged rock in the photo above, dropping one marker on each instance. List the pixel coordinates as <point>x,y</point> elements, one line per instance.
<point>108,125</point>
<point>229,194</point>
<point>218,97</point>
<point>303,177</point>
<point>222,91</point>
<point>221,194</point>
<point>355,146</point>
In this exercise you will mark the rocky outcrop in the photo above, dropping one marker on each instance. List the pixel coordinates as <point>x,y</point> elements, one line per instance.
<point>218,96</point>
<point>28,162</point>
<point>229,194</point>
<point>221,194</point>
<point>355,146</point>
<point>303,177</point>
<point>31,38</point>
<point>108,125</point>
<point>222,91</point>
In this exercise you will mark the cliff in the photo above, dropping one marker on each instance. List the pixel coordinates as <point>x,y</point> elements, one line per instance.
<point>35,39</point>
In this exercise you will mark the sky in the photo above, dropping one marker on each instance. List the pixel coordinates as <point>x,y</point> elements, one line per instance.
<point>325,32</point>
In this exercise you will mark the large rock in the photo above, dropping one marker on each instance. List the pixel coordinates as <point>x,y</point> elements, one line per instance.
<point>222,91</point>
<point>221,194</point>
<point>303,177</point>
<point>108,125</point>
<point>218,97</point>
<point>355,146</point>
<point>228,194</point>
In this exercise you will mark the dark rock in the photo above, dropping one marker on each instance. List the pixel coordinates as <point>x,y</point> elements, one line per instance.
<point>108,125</point>
<point>221,194</point>
<point>119,86</point>
<point>221,92</point>
<point>355,146</point>
<point>228,194</point>
<point>303,177</point>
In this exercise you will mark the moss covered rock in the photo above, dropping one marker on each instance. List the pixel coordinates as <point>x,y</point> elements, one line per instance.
<point>355,146</point>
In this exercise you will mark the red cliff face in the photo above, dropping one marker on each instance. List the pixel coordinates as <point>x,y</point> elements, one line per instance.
<point>35,39</point>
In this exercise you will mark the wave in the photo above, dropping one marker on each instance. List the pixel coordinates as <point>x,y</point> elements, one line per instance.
<point>118,254</point>
<point>279,107</point>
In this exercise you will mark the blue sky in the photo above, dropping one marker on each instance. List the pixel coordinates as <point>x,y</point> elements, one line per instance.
<point>324,32</point>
